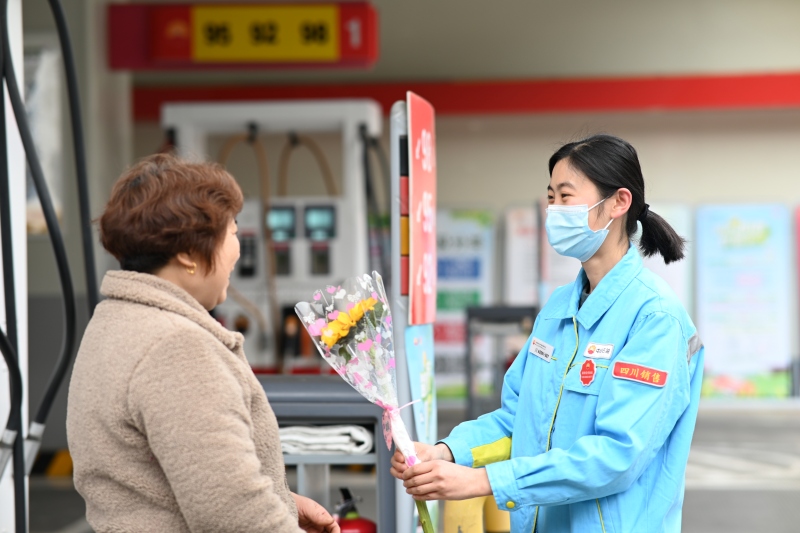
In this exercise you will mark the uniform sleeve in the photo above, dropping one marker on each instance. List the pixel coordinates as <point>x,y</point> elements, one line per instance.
<point>194,413</point>
<point>487,440</point>
<point>633,421</point>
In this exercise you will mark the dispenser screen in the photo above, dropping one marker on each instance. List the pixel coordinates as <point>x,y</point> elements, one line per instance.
<point>281,222</point>
<point>320,223</point>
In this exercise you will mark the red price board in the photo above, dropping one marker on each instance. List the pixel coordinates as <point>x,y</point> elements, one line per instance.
<point>155,36</point>
<point>422,210</point>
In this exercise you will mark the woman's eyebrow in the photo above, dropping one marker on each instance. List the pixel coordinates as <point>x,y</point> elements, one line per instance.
<point>562,185</point>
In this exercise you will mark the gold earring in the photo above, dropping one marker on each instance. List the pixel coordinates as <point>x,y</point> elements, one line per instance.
<point>191,270</point>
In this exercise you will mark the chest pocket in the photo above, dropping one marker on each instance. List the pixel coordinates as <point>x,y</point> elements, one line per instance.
<point>574,382</point>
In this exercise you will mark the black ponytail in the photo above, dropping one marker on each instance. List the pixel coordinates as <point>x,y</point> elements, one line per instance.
<point>658,237</point>
<point>611,164</point>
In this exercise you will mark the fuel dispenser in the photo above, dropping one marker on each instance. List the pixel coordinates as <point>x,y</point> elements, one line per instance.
<point>290,244</point>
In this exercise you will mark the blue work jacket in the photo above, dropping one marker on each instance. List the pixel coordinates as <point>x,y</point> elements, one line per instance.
<point>598,411</point>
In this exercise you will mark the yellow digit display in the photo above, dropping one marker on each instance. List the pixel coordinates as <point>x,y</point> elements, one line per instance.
<point>265,34</point>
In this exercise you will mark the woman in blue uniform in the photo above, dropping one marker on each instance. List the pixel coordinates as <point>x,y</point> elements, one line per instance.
<point>599,408</point>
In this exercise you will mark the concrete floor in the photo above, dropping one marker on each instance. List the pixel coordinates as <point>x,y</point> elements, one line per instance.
<point>743,475</point>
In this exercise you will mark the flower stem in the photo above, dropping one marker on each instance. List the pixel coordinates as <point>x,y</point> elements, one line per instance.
<point>424,517</point>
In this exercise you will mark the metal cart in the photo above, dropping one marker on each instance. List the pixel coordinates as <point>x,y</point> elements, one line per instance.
<point>499,322</point>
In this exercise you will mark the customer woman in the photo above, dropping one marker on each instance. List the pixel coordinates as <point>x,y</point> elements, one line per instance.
<point>168,428</point>
<point>599,408</point>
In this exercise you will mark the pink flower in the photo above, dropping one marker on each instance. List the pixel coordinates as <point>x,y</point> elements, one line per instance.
<point>375,295</point>
<point>378,339</point>
<point>316,328</point>
<point>365,346</point>
<point>389,320</point>
<point>411,461</point>
<point>391,363</point>
<point>350,306</point>
<point>353,361</point>
<point>357,378</point>
<point>333,315</point>
<point>317,296</point>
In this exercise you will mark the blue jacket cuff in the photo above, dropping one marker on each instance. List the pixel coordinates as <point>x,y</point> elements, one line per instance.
<point>504,485</point>
<point>462,454</point>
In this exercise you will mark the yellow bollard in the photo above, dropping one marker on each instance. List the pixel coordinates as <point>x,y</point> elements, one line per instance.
<point>495,520</point>
<point>477,515</point>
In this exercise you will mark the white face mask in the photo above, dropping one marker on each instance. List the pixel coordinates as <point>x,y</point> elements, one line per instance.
<point>569,233</point>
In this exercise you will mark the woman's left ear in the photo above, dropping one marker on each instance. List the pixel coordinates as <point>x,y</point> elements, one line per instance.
<point>622,203</point>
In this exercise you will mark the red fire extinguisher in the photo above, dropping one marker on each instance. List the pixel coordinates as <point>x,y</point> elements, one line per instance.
<point>347,516</point>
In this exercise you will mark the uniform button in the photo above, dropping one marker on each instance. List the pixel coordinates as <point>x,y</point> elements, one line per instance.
<point>510,505</point>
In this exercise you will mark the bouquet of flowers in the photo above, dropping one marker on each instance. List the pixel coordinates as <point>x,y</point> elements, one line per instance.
<point>351,326</point>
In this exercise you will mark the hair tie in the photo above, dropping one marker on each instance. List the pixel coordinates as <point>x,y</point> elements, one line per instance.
<point>645,211</point>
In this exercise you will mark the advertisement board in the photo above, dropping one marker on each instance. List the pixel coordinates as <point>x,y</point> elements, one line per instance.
<point>422,210</point>
<point>744,310</point>
<point>466,277</point>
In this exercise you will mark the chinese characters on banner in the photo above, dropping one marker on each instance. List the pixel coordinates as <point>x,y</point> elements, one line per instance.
<point>422,211</point>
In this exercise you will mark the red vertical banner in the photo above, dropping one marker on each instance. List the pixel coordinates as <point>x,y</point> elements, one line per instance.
<point>422,210</point>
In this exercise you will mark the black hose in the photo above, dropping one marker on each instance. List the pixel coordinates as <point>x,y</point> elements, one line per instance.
<point>383,160</point>
<point>376,145</point>
<point>15,380</point>
<point>56,238</point>
<point>372,203</point>
<point>79,147</point>
<point>9,345</point>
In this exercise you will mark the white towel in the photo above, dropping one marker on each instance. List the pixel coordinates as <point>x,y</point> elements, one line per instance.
<point>325,440</point>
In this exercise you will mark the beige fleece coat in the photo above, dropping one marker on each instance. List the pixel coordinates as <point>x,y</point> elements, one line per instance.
<point>169,429</point>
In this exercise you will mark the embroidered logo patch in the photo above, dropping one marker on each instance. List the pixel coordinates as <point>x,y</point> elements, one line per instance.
<point>642,374</point>
<point>541,349</point>
<point>588,372</point>
<point>599,351</point>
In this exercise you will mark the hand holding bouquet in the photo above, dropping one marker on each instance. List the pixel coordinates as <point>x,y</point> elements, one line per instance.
<point>351,326</point>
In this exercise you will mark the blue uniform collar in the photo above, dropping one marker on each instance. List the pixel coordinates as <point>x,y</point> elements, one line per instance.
<point>602,297</point>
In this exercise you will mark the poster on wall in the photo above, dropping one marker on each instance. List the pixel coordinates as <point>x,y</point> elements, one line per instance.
<point>521,256</point>
<point>678,275</point>
<point>466,277</point>
<point>556,269</point>
<point>419,349</point>
<point>744,310</point>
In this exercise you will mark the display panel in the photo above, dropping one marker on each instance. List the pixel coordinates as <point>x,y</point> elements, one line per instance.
<point>282,222</point>
<point>320,223</point>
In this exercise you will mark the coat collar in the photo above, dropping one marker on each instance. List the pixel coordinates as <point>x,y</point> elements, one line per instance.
<point>146,289</point>
<point>602,297</point>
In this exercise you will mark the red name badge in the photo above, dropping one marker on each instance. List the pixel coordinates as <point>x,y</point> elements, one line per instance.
<point>588,372</point>
<point>642,374</point>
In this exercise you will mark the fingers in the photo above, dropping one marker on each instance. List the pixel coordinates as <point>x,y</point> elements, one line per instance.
<point>418,469</point>
<point>332,528</point>
<point>420,484</point>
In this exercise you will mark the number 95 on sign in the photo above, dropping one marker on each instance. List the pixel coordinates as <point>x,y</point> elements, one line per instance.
<point>266,33</point>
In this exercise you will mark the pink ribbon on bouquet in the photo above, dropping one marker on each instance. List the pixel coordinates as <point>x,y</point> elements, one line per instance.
<point>389,412</point>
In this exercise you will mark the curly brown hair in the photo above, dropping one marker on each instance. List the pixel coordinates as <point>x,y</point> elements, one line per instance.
<point>164,205</point>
